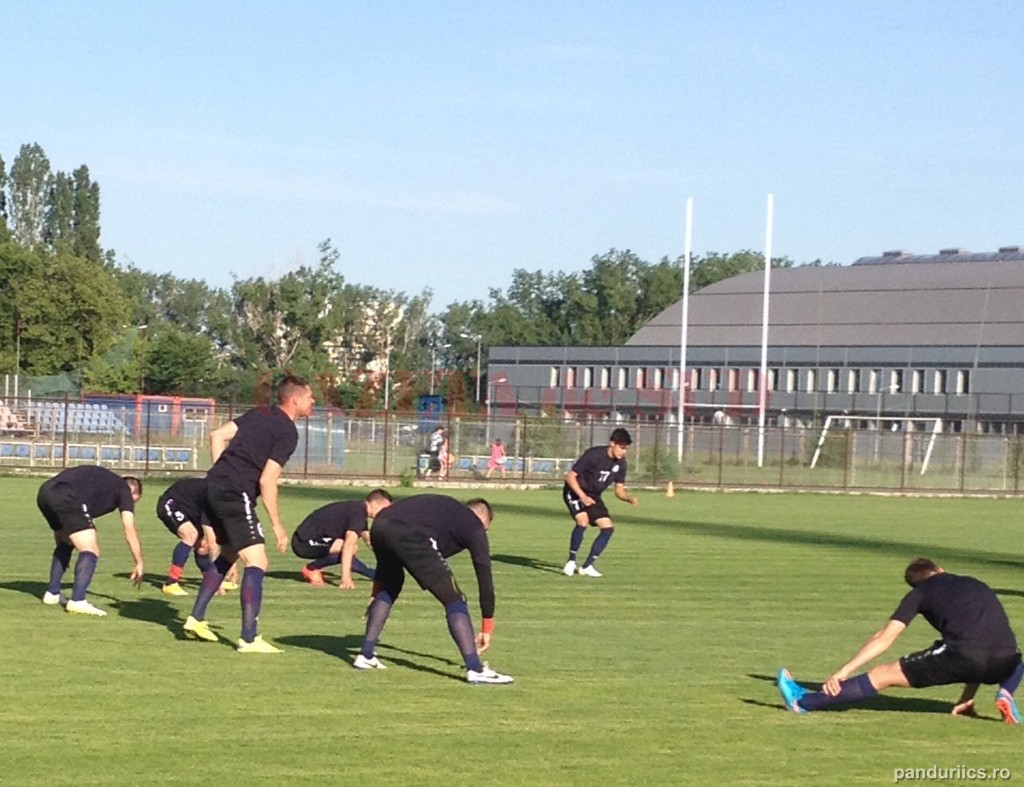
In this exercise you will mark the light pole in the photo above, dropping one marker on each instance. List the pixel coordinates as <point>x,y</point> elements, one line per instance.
<point>479,340</point>
<point>142,357</point>
<point>433,362</point>
<point>490,395</point>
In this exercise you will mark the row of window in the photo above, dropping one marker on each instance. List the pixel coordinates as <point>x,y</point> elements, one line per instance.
<point>834,380</point>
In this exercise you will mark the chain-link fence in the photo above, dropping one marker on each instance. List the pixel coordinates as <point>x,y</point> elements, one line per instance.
<point>156,435</point>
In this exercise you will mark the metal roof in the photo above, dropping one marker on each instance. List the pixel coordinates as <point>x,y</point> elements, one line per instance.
<point>915,300</point>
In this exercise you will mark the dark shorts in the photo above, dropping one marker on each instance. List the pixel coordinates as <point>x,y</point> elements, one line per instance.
<point>434,462</point>
<point>173,517</point>
<point>401,547</point>
<point>311,549</point>
<point>63,508</point>
<point>942,665</point>
<point>233,517</point>
<point>575,506</point>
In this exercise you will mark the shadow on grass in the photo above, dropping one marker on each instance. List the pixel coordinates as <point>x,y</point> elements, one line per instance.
<point>344,647</point>
<point>29,588</point>
<point>524,561</point>
<point>387,649</point>
<point>1008,592</point>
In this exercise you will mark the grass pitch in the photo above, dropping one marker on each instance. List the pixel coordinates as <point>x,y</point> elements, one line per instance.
<point>661,672</point>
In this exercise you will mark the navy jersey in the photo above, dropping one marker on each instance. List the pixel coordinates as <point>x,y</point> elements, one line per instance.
<point>454,528</point>
<point>100,490</point>
<point>263,433</point>
<point>333,521</point>
<point>596,471</point>
<point>964,610</point>
<point>189,497</point>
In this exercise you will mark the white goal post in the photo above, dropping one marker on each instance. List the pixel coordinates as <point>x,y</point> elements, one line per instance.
<point>896,421</point>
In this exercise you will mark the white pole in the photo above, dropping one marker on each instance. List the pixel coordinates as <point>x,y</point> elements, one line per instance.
<point>684,322</point>
<point>762,396</point>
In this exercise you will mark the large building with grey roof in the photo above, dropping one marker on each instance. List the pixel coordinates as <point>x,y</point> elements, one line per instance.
<point>922,336</point>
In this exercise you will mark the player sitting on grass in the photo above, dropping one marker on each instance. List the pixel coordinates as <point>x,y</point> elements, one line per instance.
<point>977,646</point>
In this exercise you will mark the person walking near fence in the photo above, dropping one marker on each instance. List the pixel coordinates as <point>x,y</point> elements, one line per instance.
<point>497,460</point>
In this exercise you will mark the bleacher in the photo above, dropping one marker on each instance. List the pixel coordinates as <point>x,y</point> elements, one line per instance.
<point>74,418</point>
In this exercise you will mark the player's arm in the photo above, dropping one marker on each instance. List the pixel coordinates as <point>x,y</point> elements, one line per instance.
<point>623,495</point>
<point>348,551</point>
<point>572,480</point>
<point>485,584</point>
<point>131,537</point>
<point>875,646</point>
<point>268,491</point>
<point>220,437</point>
<point>965,705</point>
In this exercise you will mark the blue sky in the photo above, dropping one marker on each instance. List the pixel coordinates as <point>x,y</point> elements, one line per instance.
<point>445,144</point>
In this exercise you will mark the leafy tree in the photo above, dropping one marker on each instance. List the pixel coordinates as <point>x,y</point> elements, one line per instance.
<point>60,211</point>
<point>85,241</point>
<point>28,184</point>
<point>176,362</point>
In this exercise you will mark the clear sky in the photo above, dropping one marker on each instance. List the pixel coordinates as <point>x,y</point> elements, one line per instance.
<point>445,144</point>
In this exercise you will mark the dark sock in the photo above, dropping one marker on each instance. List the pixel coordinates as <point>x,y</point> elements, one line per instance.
<point>179,557</point>
<point>252,600</point>
<point>324,562</point>
<point>212,579</point>
<point>599,544</point>
<point>853,690</point>
<point>461,628</point>
<point>58,565</point>
<point>376,617</point>
<point>359,567</point>
<point>1010,684</point>
<point>203,562</point>
<point>85,566</point>
<point>576,540</point>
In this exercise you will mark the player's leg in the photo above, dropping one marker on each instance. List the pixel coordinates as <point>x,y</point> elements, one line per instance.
<point>605,531</point>
<point>53,498</point>
<point>581,522</point>
<point>188,535</point>
<point>217,542</point>
<point>254,558</point>
<point>1005,701</point>
<point>59,563</point>
<point>85,566</point>
<point>387,586</point>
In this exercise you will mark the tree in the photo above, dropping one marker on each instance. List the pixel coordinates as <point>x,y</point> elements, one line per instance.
<point>28,184</point>
<point>177,362</point>
<point>60,211</point>
<point>85,241</point>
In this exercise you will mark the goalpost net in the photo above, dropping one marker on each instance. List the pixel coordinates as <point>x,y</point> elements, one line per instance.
<point>898,424</point>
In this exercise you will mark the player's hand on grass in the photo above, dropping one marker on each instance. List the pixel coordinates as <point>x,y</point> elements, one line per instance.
<point>483,642</point>
<point>346,584</point>
<point>137,574</point>
<point>282,538</point>
<point>965,709</point>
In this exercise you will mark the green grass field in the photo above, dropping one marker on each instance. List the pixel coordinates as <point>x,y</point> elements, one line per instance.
<point>661,672</point>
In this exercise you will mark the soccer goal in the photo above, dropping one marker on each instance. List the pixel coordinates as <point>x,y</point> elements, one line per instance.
<point>896,424</point>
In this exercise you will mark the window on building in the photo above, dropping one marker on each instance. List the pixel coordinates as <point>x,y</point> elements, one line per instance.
<point>751,379</point>
<point>940,381</point>
<point>588,376</point>
<point>696,379</point>
<point>791,380</point>
<point>641,378</point>
<point>570,377</point>
<point>713,376</point>
<point>853,381</point>
<point>811,380</point>
<point>832,380</point>
<point>916,381</point>
<point>605,377</point>
<point>734,380</point>
<point>622,378</point>
<point>895,381</point>
<point>772,379</point>
<point>657,379</point>
<point>963,381</point>
<point>554,379</point>
<point>875,381</point>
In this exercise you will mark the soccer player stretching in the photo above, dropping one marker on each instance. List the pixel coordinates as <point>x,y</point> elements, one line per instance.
<point>591,474</point>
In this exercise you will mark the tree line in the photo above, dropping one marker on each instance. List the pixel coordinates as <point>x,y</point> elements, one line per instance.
<point>67,306</point>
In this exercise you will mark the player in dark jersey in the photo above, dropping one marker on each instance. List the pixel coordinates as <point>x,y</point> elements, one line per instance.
<point>977,646</point>
<point>70,501</point>
<point>182,509</point>
<point>330,536</point>
<point>248,454</point>
<point>598,468</point>
<point>416,535</point>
